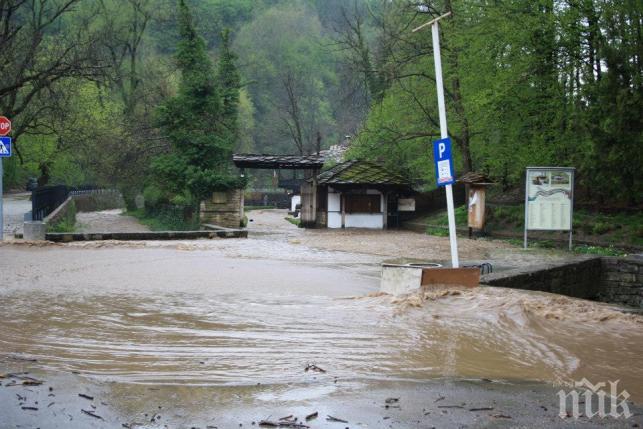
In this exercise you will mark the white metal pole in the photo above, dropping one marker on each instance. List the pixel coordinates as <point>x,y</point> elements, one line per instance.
<point>455,263</point>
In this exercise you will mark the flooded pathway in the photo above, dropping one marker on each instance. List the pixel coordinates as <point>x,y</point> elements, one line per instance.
<point>107,221</point>
<point>225,329</point>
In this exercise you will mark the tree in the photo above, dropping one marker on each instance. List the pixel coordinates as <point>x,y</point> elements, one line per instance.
<point>291,77</point>
<point>194,122</point>
<point>43,43</point>
<point>229,83</point>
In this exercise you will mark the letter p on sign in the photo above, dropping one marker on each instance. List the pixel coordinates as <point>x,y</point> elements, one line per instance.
<point>441,148</point>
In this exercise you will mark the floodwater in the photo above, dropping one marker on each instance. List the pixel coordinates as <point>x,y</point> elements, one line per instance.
<point>259,311</point>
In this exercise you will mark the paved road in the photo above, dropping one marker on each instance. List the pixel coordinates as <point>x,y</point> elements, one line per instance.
<point>14,207</point>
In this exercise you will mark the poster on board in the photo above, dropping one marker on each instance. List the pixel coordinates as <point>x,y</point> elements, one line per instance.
<point>549,198</point>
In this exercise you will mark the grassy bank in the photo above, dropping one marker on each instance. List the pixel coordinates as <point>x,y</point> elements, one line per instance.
<point>604,231</point>
<point>164,219</point>
<point>67,223</point>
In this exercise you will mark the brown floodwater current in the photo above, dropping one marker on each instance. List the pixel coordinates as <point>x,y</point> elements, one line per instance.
<point>166,316</point>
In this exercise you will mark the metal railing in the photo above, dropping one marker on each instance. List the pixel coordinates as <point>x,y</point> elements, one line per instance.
<point>45,199</point>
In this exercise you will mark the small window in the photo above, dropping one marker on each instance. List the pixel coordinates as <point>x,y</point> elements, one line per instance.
<point>362,204</point>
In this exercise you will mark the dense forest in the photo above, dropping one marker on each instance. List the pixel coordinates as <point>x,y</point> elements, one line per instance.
<point>157,94</point>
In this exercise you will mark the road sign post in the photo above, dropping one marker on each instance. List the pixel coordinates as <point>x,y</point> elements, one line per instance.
<point>5,152</point>
<point>444,133</point>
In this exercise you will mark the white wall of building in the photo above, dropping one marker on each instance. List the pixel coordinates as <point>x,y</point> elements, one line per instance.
<point>355,220</point>
<point>334,202</point>
<point>296,199</point>
<point>365,220</point>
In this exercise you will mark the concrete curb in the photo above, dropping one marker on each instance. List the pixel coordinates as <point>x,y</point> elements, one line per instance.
<point>64,237</point>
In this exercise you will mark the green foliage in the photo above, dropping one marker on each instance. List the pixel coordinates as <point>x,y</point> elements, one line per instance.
<point>166,218</point>
<point>599,250</point>
<point>153,195</point>
<point>292,79</point>
<point>437,231</point>
<point>67,223</point>
<point>442,219</point>
<point>506,216</point>
<point>527,83</point>
<point>197,121</point>
<point>294,221</point>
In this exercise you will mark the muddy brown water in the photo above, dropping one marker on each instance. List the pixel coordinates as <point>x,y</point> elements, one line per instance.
<point>165,316</point>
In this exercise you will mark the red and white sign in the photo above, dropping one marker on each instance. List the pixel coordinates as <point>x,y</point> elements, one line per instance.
<point>5,126</point>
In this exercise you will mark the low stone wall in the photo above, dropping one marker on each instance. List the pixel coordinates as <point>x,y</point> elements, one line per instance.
<point>100,199</point>
<point>607,279</point>
<point>223,209</point>
<point>622,280</point>
<point>65,211</point>
<point>64,237</point>
<point>579,279</point>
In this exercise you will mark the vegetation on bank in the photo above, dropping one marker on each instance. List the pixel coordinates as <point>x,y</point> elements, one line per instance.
<point>154,96</point>
<point>166,219</point>
<point>605,230</point>
<point>294,221</point>
<point>66,223</point>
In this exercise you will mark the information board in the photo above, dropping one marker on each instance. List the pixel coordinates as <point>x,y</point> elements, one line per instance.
<point>549,199</point>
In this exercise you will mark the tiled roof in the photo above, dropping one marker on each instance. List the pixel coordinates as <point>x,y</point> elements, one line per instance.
<point>278,161</point>
<point>473,177</point>
<point>357,172</point>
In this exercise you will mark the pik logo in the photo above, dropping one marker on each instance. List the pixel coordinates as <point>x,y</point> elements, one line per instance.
<point>594,394</point>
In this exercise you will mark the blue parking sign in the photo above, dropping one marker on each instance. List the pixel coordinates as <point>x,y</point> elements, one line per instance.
<point>5,147</point>
<point>444,173</point>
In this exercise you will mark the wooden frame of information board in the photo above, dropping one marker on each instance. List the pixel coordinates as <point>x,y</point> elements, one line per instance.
<point>549,200</point>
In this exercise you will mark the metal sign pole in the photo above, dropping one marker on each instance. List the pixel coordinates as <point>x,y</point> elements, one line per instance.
<point>455,263</point>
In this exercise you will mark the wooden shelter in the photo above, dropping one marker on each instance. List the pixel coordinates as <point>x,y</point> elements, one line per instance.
<point>353,194</point>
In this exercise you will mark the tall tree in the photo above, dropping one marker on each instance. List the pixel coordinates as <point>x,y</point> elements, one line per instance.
<point>229,82</point>
<point>43,43</point>
<point>193,121</point>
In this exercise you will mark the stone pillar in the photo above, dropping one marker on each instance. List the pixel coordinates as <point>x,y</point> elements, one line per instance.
<point>223,209</point>
<point>34,230</point>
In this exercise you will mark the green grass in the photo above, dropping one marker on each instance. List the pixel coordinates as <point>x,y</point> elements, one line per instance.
<point>599,250</point>
<point>163,221</point>
<point>67,223</point>
<point>621,229</point>
<point>442,219</point>
<point>294,221</point>
<point>250,208</point>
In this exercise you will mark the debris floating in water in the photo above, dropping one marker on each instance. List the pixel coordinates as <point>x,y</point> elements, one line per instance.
<point>313,367</point>
<point>335,419</point>
<point>92,414</point>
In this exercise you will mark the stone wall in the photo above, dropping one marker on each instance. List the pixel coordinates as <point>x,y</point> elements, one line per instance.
<point>608,279</point>
<point>622,280</point>
<point>579,279</point>
<point>100,199</point>
<point>65,211</point>
<point>223,209</point>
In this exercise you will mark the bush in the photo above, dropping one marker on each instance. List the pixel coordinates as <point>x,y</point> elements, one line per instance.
<point>67,223</point>
<point>601,228</point>
<point>153,196</point>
